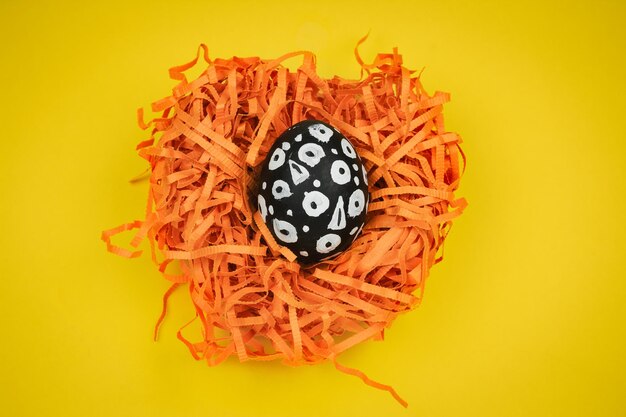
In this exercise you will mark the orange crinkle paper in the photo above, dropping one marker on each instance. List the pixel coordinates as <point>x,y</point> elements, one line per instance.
<point>252,299</point>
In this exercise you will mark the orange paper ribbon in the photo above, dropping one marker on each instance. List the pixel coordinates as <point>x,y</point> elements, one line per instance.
<point>252,300</point>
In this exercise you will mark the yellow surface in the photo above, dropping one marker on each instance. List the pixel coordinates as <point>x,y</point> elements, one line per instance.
<point>524,318</point>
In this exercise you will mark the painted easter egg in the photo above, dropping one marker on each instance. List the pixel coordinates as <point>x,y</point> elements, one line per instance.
<point>312,191</point>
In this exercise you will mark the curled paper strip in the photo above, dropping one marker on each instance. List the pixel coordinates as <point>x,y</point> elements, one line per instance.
<point>251,298</point>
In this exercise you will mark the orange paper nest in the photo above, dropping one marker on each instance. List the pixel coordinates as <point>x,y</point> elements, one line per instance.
<point>252,299</point>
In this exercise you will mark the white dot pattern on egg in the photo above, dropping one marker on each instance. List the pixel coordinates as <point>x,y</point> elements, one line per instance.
<point>316,183</point>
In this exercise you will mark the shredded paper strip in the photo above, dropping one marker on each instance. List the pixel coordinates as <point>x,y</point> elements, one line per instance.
<point>252,299</point>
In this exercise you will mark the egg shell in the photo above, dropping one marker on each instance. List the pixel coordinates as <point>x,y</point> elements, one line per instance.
<point>312,191</point>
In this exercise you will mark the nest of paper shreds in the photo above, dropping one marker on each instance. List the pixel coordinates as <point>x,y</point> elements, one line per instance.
<point>250,296</point>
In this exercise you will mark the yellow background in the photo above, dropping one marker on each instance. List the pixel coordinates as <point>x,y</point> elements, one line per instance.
<point>525,316</point>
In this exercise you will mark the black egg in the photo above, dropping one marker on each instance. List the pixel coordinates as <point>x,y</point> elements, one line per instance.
<point>313,191</point>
